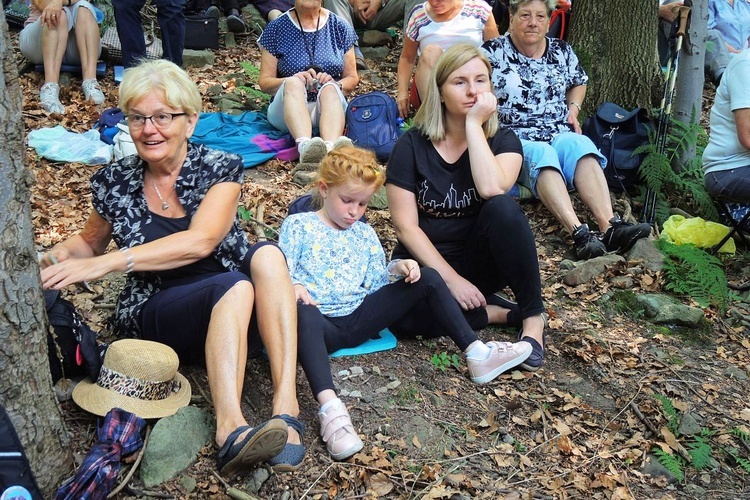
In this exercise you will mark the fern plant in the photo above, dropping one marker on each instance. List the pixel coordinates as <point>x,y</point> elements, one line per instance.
<point>689,270</point>
<point>686,184</point>
<point>700,450</point>
<point>673,463</point>
<point>670,413</point>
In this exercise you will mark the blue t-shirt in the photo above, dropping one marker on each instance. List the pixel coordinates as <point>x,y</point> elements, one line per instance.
<point>294,48</point>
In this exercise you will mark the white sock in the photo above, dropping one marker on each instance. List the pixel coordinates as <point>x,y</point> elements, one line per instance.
<point>477,350</point>
<point>300,141</point>
<point>329,404</point>
<point>329,145</point>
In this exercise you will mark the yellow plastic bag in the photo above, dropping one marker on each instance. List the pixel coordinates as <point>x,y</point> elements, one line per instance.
<point>701,233</point>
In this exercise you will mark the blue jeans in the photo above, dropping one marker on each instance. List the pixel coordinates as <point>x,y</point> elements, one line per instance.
<point>171,19</point>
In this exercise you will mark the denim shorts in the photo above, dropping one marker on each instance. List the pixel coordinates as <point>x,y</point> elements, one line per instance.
<point>562,154</point>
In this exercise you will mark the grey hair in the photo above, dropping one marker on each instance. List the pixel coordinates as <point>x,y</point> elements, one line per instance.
<point>514,5</point>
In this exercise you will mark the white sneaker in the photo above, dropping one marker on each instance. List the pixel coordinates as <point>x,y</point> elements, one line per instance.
<point>338,432</point>
<point>92,91</point>
<point>49,98</point>
<point>342,141</point>
<point>503,356</point>
<point>312,150</point>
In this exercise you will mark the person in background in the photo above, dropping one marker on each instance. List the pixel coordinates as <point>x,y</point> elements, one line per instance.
<point>371,15</point>
<point>61,32</point>
<point>726,159</point>
<point>271,9</point>
<point>307,64</point>
<point>193,281</point>
<point>434,26</point>
<point>347,294</point>
<point>447,183</point>
<point>231,9</point>
<point>540,86</point>
<point>171,17</point>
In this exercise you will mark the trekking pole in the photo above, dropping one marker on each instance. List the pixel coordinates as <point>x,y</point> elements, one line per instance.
<point>665,110</point>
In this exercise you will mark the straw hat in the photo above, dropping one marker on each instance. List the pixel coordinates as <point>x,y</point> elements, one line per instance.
<point>138,376</point>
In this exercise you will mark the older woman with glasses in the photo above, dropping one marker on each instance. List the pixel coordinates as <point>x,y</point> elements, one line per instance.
<point>193,280</point>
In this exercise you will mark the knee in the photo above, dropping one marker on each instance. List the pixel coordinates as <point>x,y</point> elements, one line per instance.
<point>268,262</point>
<point>242,293</point>
<point>294,87</point>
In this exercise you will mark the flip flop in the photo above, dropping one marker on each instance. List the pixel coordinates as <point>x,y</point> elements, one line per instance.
<point>261,443</point>
<point>292,455</point>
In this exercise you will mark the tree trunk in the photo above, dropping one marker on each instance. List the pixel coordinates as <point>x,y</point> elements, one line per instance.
<point>616,43</point>
<point>25,380</point>
<point>688,99</point>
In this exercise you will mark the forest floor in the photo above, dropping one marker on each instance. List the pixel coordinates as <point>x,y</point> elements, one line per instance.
<point>614,387</point>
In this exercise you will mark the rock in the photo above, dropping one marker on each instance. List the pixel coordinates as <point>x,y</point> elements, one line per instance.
<point>229,40</point>
<point>664,310</point>
<point>188,484</point>
<point>256,480</point>
<point>355,394</point>
<point>378,200</point>
<point>65,79</point>
<point>256,22</point>
<point>356,371</point>
<point>736,373</point>
<point>197,58</point>
<point>229,105</point>
<point>689,426</point>
<point>302,177</point>
<point>375,38</point>
<point>644,250</point>
<point>174,444</point>
<point>376,53</point>
<point>215,90</point>
<point>622,282</point>
<point>654,469</point>
<point>587,270</point>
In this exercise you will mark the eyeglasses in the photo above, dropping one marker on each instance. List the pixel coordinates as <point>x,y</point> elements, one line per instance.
<point>160,120</point>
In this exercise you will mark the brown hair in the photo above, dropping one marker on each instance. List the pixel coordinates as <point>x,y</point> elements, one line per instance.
<point>345,164</point>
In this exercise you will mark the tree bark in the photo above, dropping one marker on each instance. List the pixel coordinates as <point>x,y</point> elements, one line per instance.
<point>25,380</point>
<point>616,43</point>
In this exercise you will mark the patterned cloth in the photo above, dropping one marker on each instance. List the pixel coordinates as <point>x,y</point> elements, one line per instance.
<point>339,267</point>
<point>467,26</point>
<point>118,436</point>
<point>531,92</point>
<point>117,195</point>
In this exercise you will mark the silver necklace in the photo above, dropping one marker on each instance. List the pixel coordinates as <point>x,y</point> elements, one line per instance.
<point>164,204</point>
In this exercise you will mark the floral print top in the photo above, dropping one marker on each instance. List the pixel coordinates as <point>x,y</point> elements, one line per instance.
<point>531,92</point>
<point>117,195</point>
<point>338,267</point>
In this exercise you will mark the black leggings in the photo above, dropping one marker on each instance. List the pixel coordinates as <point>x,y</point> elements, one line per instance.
<point>499,252</point>
<point>320,335</point>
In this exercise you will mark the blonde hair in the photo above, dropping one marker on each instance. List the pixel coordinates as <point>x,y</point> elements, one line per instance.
<point>430,117</point>
<point>180,92</point>
<point>348,164</point>
<point>514,5</point>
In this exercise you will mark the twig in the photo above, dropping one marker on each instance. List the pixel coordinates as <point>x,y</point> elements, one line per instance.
<point>233,492</point>
<point>259,217</point>
<point>134,467</point>
<point>147,493</point>
<point>642,418</point>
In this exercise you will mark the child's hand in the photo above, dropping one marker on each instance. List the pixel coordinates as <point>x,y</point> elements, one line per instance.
<point>302,295</point>
<point>409,268</point>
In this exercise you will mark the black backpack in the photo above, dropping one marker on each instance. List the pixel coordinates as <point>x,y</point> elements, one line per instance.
<point>16,477</point>
<point>72,346</point>
<point>617,132</point>
<point>372,122</point>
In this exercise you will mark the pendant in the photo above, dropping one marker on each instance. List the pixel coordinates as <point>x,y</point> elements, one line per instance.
<point>164,205</point>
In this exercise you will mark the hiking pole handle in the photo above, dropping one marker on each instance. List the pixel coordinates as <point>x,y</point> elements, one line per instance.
<point>683,14</point>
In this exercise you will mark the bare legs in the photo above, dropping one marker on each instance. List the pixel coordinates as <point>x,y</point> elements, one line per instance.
<point>87,41</point>
<point>226,343</point>
<point>300,124</point>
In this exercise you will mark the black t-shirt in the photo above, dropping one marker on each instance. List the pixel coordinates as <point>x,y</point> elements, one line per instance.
<point>447,198</point>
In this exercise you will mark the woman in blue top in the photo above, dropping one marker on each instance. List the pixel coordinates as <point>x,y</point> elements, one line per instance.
<point>307,62</point>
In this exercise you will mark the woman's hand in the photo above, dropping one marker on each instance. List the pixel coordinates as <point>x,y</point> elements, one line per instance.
<point>75,270</point>
<point>572,119</point>
<point>466,294</point>
<point>485,105</point>
<point>409,269</point>
<point>302,295</point>
<point>403,105</point>
<point>51,14</point>
<point>57,254</point>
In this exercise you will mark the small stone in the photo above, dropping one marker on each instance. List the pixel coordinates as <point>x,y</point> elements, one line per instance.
<point>343,373</point>
<point>394,384</point>
<point>356,371</point>
<point>689,426</point>
<point>229,40</point>
<point>344,393</point>
<point>188,484</point>
<point>355,394</point>
<point>735,372</point>
<point>376,370</point>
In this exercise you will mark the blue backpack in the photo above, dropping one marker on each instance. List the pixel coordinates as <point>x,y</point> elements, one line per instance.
<point>372,122</point>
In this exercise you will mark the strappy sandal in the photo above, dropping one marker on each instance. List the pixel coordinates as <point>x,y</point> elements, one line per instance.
<point>261,443</point>
<point>291,455</point>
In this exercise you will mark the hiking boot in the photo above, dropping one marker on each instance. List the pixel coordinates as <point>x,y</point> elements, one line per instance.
<point>235,24</point>
<point>587,244</point>
<point>621,235</point>
<point>338,432</point>
<point>503,356</point>
<point>361,63</point>
<point>312,150</point>
<point>92,91</point>
<point>212,11</point>
<point>49,98</point>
